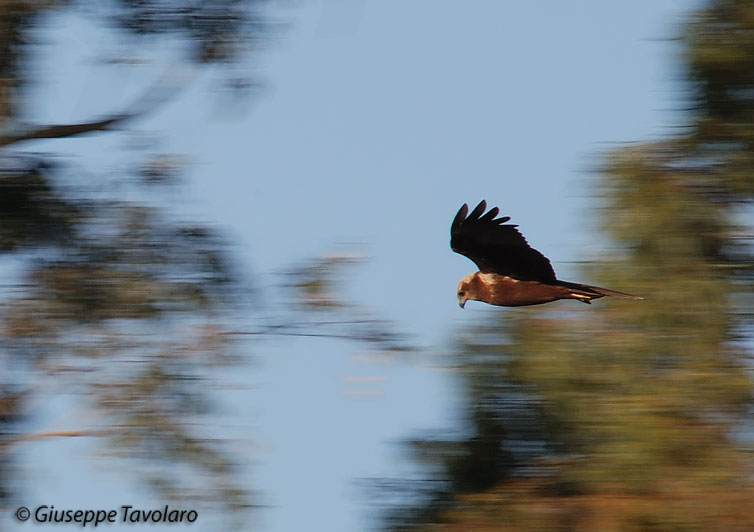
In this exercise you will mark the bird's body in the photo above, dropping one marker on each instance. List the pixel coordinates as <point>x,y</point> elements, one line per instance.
<point>507,291</point>
<point>511,273</point>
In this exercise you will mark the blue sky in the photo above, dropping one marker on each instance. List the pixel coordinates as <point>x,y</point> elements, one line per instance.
<point>376,120</point>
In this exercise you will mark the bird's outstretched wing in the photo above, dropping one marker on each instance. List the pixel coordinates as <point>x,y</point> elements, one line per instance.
<point>497,248</point>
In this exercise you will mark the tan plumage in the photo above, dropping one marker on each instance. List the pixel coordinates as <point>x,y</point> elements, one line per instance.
<point>511,273</point>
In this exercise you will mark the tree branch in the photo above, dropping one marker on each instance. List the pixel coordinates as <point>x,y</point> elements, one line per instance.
<point>62,131</point>
<point>167,86</point>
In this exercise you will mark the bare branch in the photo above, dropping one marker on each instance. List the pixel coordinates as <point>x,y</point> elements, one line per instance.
<point>168,85</point>
<point>62,131</point>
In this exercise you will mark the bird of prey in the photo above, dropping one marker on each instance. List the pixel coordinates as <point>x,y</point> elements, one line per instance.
<point>511,273</point>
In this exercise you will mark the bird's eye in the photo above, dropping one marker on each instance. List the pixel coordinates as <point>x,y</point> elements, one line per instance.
<point>461,292</point>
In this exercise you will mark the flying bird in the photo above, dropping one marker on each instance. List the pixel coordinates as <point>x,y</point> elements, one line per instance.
<point>511,273</point>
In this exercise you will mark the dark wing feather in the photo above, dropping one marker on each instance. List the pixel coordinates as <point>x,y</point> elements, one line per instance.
<point>497,248</point>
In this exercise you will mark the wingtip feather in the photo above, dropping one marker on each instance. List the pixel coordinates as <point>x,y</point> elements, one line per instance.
<point>489,217</point>
<point>478,210</point>
<point>460,216</point>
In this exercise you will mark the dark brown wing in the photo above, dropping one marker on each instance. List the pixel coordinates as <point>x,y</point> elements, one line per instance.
<point>497,248</point>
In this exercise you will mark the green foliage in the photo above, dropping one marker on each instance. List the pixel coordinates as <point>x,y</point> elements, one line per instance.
<point>720,55</point>
<point>215,31</point>
<point>32,212</point>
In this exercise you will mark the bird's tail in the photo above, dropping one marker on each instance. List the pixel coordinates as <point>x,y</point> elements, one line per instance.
<point>585,293</point>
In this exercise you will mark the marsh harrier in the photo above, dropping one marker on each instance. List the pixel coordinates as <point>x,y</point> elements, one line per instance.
<point>511,273</point>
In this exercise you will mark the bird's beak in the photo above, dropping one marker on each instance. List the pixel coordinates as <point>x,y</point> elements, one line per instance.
<point>461,302</point>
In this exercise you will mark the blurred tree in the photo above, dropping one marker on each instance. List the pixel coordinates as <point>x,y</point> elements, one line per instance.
<point>630,416</point>
<point>121,306</point>
<point>121,310</point>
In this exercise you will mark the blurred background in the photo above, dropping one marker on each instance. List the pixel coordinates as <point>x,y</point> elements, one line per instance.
<point>226,281</point>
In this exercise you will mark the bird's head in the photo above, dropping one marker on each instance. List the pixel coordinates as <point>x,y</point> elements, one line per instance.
<point>465,291</point>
